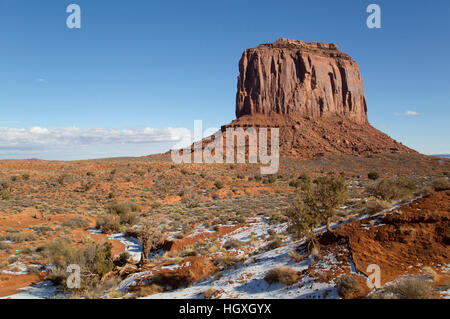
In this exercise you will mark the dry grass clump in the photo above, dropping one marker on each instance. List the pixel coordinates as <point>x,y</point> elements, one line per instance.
<point>21,237</point>
<point>42,229</point>
<point>148,290</point>
<point>76,222</point>
<point>393,189</point>
<point>376,206</point>
<point>285,275</point>
<point>210,293</point>
<point>425,191</point>
<point>411,287</point>
<point>95,260</point>
<point>224,261</point>
<point>347,286</point>
<point>191,199</point>
<point>296,256</point>
<point>120,208</point>
<point>150,235</point>
<point>4,246</point>
<point>232,244</point>
<point>429,272</point>
<point>5,194</point>
<point>219,184</point>
<point>274,244</point>
<point>441,184</point>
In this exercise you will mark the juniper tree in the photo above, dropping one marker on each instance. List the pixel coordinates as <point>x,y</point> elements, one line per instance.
<point>316,205</point>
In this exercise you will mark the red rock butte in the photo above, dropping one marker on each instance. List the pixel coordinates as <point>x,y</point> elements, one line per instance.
<point>300,79</point>
<point>314,93</point>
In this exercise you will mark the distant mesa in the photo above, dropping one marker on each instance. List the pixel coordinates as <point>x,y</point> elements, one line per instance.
<point>442,155</point>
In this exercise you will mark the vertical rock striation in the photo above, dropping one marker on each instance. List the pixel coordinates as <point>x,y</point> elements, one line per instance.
<point>295,78</point>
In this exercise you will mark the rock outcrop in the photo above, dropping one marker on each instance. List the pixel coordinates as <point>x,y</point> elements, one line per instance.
<point>300,79</point>
<point>314,94</point>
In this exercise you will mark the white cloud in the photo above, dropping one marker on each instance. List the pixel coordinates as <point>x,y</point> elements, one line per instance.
<point>407,113</point>
<point>41,80</point>
<point>69,138</point>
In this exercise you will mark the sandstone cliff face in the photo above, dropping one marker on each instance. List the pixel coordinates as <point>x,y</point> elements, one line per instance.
<point>300,80</point>
<point>314,94</point>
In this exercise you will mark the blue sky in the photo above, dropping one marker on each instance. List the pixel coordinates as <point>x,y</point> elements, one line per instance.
<point>145,64</point>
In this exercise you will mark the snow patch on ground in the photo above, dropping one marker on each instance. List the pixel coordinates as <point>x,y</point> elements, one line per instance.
<point>132,245</point>
<point>41,290</point>
<point>246,280</point>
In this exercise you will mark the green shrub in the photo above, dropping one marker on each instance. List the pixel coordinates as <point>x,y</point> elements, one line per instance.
<point>95,260</point>
<point>219,184</point>
<point>108,224</point>
<point>301,182</point>
<point>5,194</point>
<point>373,175</point>
<point>316,205</point>
<point>123,259</point>
<point>270,179</point>
<point>119,213</point>
<point>393,189</point>
<point>120,208</point>
<point>295,183</point>
<point>406,183</point>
